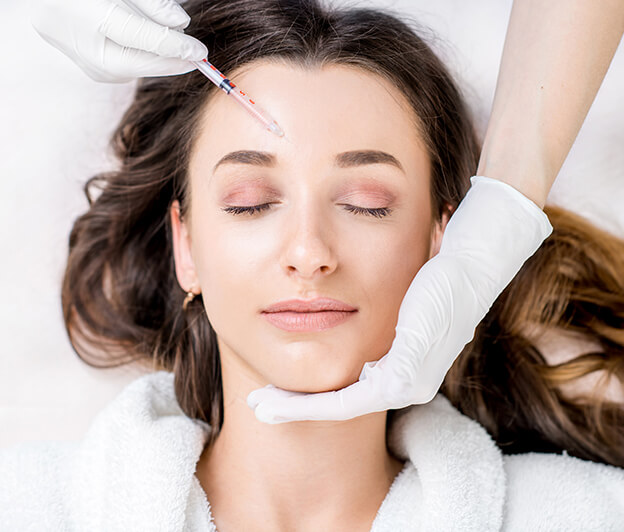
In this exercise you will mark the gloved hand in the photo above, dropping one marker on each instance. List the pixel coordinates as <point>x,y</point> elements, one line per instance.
<point>110,42</point>
<point>492,233</point>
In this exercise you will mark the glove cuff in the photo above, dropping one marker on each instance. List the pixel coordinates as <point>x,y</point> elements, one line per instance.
<point>496,226</point>
<point>543,226</point>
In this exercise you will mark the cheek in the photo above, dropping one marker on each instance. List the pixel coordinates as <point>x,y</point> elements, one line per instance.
<point>228,260</point>
<point>387,264</point>
<point>390,256</point>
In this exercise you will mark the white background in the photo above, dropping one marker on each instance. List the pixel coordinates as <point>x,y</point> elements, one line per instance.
<point>54,128</point>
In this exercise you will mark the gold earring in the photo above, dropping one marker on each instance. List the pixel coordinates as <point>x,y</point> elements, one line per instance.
<point>189,297</point>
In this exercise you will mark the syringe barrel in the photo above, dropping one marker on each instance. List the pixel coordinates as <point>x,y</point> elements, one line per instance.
<point>211,73</point>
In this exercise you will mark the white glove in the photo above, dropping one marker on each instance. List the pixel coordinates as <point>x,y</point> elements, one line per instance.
<point>111,42</point>
<point>486,242</point>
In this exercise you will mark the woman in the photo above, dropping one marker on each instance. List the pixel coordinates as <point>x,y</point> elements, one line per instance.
<point>192,254</point>
<point>530,132</point>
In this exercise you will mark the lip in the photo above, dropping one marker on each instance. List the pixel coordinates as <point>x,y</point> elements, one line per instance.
<point>308,315</point>
<point>318,304</point>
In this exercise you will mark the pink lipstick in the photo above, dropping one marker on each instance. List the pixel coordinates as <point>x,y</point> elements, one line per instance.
<point>297,315</point>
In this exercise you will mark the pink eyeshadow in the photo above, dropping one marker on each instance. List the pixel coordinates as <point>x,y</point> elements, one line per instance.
<point>249,194</point>
<point>368,191</point>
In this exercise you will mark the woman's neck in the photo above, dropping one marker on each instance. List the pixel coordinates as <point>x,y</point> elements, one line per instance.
<point>295,476</point>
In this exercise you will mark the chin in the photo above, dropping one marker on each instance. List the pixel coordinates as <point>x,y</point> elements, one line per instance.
<point>316,377</point>
<point>311,368</point>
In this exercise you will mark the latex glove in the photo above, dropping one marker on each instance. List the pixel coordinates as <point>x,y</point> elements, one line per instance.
<point>110,42</point>
<point>492,233</point>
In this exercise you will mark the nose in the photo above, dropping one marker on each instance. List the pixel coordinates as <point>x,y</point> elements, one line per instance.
<point>308,250</point>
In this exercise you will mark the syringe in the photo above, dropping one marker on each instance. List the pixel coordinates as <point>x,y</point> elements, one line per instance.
<point>210,71</point>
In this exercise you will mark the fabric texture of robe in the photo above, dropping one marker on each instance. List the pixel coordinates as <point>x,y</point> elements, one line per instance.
<point>135,470</point>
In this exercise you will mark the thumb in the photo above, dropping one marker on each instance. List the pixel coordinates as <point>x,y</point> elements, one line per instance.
<point>274,406</point>
<point>165,12</point>
<point>129,63</point>
<point>132,31</point>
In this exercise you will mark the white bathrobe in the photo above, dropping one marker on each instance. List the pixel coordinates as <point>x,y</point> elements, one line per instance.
<point>135,471</point>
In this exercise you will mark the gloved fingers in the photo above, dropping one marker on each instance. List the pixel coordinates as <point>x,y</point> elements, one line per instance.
<point>355,400</point>
<point>403,376</point>
<point>178,28</point>
<point>166,12</point>
<point>131,31</point>
<point>267,393</point>
<point>124,64</point>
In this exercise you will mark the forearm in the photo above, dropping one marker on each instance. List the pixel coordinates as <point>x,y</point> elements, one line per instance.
<point>556,55</point>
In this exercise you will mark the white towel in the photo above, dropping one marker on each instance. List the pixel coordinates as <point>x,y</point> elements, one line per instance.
<point>467,484</point>
<point>135,468</point>
<point>460,468</point>
<point>547,492</point>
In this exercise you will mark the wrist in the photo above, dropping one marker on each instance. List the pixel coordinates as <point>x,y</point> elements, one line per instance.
<point>522,168</point>
<point>528,179</point>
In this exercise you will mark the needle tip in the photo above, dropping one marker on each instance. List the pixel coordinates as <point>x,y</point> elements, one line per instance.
<point>274,128</point>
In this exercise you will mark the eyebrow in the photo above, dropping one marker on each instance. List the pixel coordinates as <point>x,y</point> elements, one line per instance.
<point>347,159</point>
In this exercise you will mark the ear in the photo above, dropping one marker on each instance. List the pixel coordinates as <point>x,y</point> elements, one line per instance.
<point>437,230</point>
<point>184,265</point>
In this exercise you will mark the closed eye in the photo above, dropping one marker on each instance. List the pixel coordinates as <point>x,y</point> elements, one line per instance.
<point>252,209</point>
<point>379,212</point>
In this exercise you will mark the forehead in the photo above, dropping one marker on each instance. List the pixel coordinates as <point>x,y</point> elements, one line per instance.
<point>322,110</point>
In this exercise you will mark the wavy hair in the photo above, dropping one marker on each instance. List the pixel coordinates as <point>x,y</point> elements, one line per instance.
<point>121,299</point>
<point>122,302</point>
<point>572,286</point>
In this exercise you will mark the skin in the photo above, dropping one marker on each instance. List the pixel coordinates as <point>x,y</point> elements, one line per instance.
<point>303,475</point>
<point>555,57</point>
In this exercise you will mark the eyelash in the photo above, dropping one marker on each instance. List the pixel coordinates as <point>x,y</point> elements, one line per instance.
<point>253,209</point>
<point>380,212</point>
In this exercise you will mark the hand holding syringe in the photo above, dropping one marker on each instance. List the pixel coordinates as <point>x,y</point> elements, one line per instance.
<point>119,40</point>
<point>230,88</point>
<point>211,72</point>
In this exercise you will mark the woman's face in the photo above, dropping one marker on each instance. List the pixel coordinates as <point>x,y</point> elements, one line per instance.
<point>337,209</point>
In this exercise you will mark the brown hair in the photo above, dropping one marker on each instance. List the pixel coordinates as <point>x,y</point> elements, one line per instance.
<point>122,302</point>
<point>573,284</point>
<point>120,293</point>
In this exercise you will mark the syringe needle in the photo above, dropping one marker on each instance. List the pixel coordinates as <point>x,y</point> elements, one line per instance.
<point>213,74</point>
